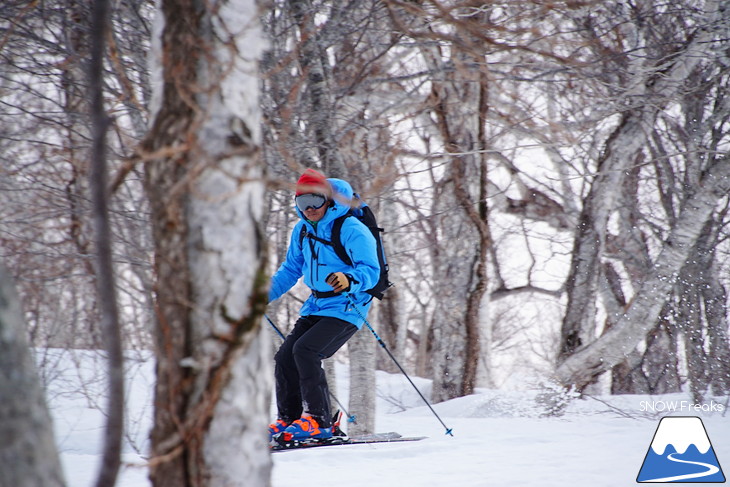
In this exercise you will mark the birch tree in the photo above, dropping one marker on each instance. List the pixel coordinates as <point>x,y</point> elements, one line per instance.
<point>204,179</point>
<point>106,284</point>
<point>28,454</point>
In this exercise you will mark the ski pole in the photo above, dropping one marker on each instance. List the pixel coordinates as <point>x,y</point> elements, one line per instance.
<point>276,328</point>
<point>350,417</point>
<point>449,431</point>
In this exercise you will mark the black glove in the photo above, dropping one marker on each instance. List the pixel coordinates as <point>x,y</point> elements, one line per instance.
<point>339,281</point>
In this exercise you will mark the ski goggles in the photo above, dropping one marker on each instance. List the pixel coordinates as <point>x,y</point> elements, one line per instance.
<point>310,200</point>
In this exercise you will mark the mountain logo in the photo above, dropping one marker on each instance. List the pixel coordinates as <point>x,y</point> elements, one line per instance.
<point>680,452</point>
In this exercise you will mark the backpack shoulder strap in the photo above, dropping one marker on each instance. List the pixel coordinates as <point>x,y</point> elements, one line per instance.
<point>337,241</point>
<point>306,233</point>
<point>302,233</point>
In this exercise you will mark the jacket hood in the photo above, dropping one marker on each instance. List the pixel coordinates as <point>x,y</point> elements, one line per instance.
<point>342,195</point>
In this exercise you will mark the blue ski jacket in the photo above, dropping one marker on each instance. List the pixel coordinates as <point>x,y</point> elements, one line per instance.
<point>315,260</point>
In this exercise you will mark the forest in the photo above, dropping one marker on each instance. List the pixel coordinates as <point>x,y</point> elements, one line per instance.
<point>552,178</point>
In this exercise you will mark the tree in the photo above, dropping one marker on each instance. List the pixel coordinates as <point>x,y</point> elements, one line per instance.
<point>106,286</point>
<point>204,179</point>
<point>28,455</point>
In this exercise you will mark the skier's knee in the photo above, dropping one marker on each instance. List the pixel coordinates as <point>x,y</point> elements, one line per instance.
<point>302,351</point>
<point>284,357</point>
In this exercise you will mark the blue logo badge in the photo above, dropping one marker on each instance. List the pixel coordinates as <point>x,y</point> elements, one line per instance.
<point>681,452</point>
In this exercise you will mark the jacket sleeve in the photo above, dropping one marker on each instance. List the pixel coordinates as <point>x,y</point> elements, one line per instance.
<point>361,247</point>
<point>291,269</point>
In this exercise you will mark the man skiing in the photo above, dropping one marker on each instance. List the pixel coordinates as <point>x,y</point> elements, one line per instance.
<point>328,317</point>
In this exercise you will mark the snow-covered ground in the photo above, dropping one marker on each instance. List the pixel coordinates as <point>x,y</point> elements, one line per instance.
<point>500,437</point>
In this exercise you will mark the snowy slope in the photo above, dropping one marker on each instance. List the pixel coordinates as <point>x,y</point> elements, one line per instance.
<point>499,439</point>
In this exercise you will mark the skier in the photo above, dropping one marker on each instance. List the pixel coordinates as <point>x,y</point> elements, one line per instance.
<point>328,318</point>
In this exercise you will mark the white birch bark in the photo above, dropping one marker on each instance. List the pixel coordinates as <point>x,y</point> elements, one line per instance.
<point>28,455</point>
<point>715,297</point>
<point>362,382</point>
<point>222,363</point>
<point>225,216</point>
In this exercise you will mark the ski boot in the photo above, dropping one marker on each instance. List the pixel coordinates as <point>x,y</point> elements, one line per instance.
<point>277,427</point>
<point>306,431</point>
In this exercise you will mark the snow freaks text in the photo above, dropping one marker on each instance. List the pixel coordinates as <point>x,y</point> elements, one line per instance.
<point>680,407</point>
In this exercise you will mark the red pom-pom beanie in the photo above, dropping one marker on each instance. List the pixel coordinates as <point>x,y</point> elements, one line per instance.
<point>312,182</point>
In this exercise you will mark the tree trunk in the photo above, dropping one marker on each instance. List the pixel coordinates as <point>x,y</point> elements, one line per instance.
<point>75,85</point>
<point>205,183</point>
<point>459,105</point>
<point>715,299</point>
<point>661,362</point>
<point>28,455</point>
<point>106,283</point>
<point>314,65</point>
<point>656,369</point>
<point>688,314</point>
<point>392,330</point>
<point>362,382</point>
<point>697,316</point>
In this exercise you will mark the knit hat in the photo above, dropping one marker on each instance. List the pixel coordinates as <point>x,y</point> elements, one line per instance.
<point>312,182</point>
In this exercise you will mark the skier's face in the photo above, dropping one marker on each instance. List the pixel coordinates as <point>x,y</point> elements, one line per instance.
<point>312,205</point>
<point>315,214</point>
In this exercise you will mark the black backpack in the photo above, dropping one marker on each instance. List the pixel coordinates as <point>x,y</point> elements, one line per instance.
<point>367,217</point>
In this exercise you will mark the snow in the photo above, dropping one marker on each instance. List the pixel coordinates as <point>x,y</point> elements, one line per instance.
<point>500,437</point>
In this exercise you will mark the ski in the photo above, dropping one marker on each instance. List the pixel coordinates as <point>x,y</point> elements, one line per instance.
<point>390,437</point>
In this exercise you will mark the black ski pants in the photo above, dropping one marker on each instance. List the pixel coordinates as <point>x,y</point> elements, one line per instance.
<point>301,385</point>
